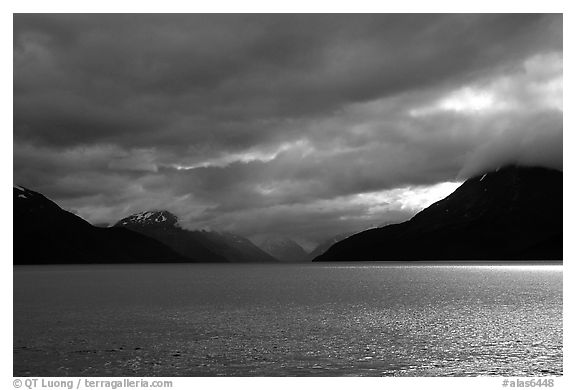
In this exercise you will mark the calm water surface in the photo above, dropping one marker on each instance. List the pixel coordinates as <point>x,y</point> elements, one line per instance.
<point>295,320</point>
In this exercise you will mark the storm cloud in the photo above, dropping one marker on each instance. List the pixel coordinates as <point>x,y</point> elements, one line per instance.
<point>303,126</point>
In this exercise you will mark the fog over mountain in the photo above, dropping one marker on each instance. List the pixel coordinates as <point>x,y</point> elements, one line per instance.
<point>298,126</point>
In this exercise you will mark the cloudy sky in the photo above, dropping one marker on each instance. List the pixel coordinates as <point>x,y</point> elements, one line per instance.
<point>286,125</point>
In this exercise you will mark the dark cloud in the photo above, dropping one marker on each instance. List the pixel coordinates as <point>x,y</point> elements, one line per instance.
<point>117,76</point>
<point>253,122</point>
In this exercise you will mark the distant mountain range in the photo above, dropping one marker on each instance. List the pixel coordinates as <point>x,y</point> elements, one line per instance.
<point>284,249</point>
<point>198,245</point>
<point>514,213</point>
<point>46,234</point>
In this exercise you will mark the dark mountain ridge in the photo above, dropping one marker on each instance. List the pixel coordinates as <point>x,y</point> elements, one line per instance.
<point>163,226</point>
<point>46,234</point>
<point>514,213</point>
<point>326,244</point>
<point>200,245</point>
<point>235,248</point>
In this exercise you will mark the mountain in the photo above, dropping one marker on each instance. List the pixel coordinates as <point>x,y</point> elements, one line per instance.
<point>514,213</point>
<point>198,244</point>
<point>46,234</point>
<point>284,249</point>
<point>235,248</point>
<point>163,226</point>
<point>101,224</point>
<point>325,245</point>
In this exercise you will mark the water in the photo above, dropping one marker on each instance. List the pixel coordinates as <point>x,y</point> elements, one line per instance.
<point>293,319</point>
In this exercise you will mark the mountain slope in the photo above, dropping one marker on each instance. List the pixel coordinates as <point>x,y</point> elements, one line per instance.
<point>514,213</point>
<point>201,245</point>
<point>235,248</point>
<point>163,226</point>
<point>325,245</point>
<point>46,234</point>
<point>284,250</point>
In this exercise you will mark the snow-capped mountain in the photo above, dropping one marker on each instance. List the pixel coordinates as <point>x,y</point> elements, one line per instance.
<point>46,234</point>
<point>159,218</point>
<point>201,245</point>
<point>284,249</point>
<point>163,226</point>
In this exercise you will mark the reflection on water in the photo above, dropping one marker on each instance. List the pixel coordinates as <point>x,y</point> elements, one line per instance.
<point>293,319</point>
